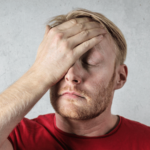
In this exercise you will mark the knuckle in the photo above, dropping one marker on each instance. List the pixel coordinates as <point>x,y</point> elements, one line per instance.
<point>65,44</point>
<point>95,39</point>
<point>86,44</point>
<point>85,33</point>
<point>59,36</point>
<point>54,30</point>
<point>81,26</point>
<point>73,21</point>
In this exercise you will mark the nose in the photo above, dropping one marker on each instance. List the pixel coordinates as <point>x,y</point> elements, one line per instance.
<point>74,75</point>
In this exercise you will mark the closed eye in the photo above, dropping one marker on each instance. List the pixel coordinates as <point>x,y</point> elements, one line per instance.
<point>86,65</point>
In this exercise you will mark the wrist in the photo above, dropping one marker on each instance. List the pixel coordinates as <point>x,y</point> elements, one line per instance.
<point>39,77</point>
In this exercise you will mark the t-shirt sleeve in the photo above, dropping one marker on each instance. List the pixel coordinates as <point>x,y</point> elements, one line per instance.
<point>14,137</point>
<point>21,133</point>
<point>34,133</point>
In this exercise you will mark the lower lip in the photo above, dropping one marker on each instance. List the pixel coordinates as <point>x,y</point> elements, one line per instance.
<point>72,96</point>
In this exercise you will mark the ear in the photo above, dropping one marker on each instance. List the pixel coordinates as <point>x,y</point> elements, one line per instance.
<point>121,76</point>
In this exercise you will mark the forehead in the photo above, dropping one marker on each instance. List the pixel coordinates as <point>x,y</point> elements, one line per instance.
<point>105,50</point>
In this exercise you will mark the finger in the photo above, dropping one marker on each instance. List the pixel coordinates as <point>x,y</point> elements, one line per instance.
<point>81,27</point>
<point>87,45</point>
<point>73,22</point>
<point>84,36</point>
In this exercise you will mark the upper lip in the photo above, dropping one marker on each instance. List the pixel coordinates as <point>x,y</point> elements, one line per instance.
<point>74,93</point>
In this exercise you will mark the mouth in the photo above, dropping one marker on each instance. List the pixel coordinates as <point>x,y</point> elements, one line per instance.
<point>72,95</point>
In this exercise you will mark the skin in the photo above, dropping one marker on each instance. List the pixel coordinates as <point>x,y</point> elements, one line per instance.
<point>57,57</point>
<point>91,83</point>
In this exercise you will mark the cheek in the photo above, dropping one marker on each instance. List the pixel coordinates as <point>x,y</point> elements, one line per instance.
<point>94,85</point>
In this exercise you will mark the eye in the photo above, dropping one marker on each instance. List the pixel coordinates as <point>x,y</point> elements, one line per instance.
<point>89,62</point>
<point>86,65</point>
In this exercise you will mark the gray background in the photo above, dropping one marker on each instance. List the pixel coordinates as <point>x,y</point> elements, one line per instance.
<point>22,29</point>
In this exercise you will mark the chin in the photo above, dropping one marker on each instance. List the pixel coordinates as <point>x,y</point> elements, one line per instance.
<point>77,112</point>
<point>78,115</point>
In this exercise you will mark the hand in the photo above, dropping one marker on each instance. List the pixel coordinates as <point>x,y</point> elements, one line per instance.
<point>64,44</point>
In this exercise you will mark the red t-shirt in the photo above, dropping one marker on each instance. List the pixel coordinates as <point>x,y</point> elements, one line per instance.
<point>41,133</point>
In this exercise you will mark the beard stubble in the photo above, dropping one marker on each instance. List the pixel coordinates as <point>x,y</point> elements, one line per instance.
<point>91,109</point>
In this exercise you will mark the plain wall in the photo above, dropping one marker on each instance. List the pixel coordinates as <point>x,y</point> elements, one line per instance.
<point>22,26</point>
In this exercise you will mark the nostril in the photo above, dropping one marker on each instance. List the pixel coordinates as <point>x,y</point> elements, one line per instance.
<point>75,80</point>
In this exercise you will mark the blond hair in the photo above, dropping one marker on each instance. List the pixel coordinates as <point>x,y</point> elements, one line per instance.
<point>114,31</point>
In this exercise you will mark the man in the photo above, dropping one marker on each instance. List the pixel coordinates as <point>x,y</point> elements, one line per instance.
<point>81,60</point>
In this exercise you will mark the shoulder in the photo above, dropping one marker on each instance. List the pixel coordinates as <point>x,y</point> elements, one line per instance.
<point>47,118</point>
<point>27,127</point>
<point>134,124</point>
<point>134,128</point>
<point>36,123</point>
<point>35,133</point>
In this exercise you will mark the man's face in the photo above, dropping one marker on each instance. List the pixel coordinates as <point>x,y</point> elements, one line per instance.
<point>94,83</point>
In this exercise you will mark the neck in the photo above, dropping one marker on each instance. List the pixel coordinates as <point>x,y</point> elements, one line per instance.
<point>100,125</point>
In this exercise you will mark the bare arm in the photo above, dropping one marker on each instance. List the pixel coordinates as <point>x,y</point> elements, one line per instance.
<point>59,50</point>
<point>6,145</point>
<point>18,99</point>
